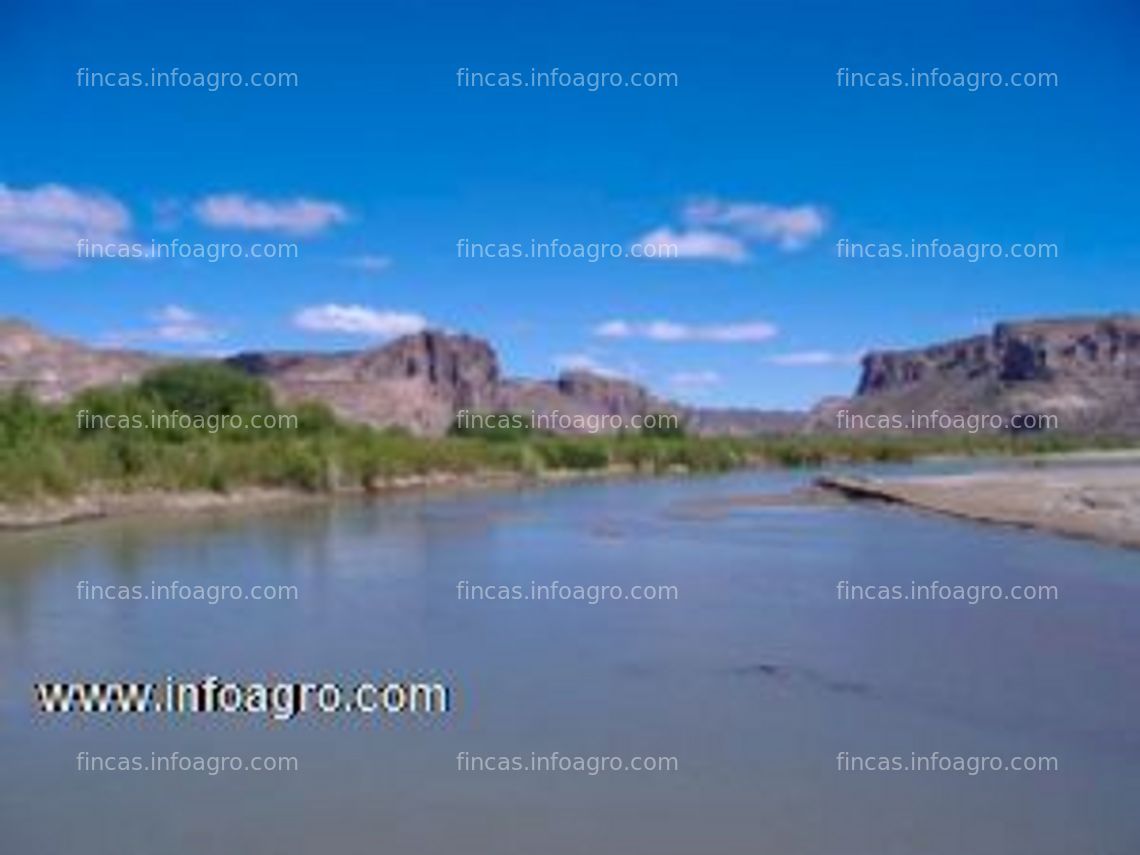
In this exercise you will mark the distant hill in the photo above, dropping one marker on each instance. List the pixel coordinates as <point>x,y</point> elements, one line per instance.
<point>55,369</point>
<point>1084,371</point>
<point>421,381</point>
<point>418,382</point>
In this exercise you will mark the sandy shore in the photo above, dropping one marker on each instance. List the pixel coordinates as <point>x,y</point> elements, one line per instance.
<point>1098,502</point>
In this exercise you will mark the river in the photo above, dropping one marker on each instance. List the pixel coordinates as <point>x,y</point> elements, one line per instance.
<point>748,673</point>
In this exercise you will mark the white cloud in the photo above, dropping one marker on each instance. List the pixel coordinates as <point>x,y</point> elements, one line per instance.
<point>585,362</point>
<point>179,324</point>
<point>172,324</point>
<point>295,216</point>
<point>695,380</point>
<point>358,320</point>
<point>370,263</point>
<point>815,357</point>
<point>670,331</point>
<point>723,231</point>
<point>665,244</point>
<point>44,225</point>
<point>614,329</point>
<point>789,228</point>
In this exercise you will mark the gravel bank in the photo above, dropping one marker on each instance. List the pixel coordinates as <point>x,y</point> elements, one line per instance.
<point>1098,502</point>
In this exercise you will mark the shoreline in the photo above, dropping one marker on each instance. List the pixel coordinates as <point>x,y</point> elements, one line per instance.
<point>1099,503</point>
<point>1092,495</point>
<point>96,506</point>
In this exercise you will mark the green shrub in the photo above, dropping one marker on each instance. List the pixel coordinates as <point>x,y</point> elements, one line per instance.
<point>206,388</point>
<point>665,425</point>
<point>315,418</point>
<point>52,450</point>
<point>573,453</point>
<point>494,427</point>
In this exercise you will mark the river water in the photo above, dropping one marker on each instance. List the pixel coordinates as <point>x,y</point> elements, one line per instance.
<point>756,678</point>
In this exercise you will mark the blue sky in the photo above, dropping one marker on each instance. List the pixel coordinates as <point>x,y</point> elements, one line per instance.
<point>377,153</point>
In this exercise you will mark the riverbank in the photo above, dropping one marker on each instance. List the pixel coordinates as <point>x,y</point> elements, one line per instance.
<point>1098,502</point>
<point>54,511</point>
<point>106,453</point>
<point>1093,495</point>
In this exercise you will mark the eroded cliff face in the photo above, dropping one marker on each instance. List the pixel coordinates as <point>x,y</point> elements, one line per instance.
<point>55,369</point>
<point>421,382</point>
<point>1085,371</point>
<point>1013,353</point>
<point>417,382</point>
<point>578,392</point>
<point>953,362</point>
<point>1108,348</point>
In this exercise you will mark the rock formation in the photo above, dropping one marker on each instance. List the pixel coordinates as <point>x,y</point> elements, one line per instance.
<point>417,382</point>
<point>55,369</point>
<point>1084,371</point>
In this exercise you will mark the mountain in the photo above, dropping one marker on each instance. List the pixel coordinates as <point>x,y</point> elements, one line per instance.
<point>421,381</point>
<point>742,421</point>
<point>418,382</point>
<point>1083,371</point>
<point>55,369</point>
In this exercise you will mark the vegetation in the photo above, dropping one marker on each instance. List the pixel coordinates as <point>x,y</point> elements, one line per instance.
<point>178,429</point>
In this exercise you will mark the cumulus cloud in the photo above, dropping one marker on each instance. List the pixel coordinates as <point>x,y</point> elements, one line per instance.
<point>358,320</point>
<point>671,331</point>
<point>695,380</point>
<point>665,244</point>
<point>172,324</point>
<point>614,329</point>
<point>814,357</point>
<point>179,324</point>
<point>294,216</point>
<point>44,225</point>
<point>724,231</point>
<point>789,228</point>
<point>586,362</point>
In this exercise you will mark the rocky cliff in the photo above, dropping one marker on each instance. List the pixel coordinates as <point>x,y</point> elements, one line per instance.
<point>418,382</point>
<point>742,421</point>
<point>55,369</point>
<point>421,381</point>
<point>581,393</point>
<point>1084,371</point>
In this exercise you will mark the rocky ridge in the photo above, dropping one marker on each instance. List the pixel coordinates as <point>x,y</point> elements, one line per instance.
<point>55,369</point>
<point>417,382</point>
<point>1084,371</point>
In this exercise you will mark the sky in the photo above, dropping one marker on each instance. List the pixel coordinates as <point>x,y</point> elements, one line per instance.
<point>388,165</point>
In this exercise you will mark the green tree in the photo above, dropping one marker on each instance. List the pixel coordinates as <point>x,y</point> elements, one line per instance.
<point>207,388</point>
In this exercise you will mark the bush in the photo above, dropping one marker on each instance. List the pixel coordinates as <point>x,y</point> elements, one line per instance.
<point>494,427</point>
<point>206,388</point>
<point>573,453</point>
<point>23,419</point>
<point>665,425</point>
<point>315,419</point>
<point>47,450</point>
